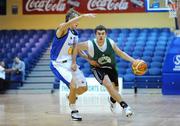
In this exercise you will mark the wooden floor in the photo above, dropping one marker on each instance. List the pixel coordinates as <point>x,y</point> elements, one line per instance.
<point>150,109</point>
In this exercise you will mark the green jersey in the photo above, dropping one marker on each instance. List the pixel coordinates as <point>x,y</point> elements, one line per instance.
<point>106,58</point>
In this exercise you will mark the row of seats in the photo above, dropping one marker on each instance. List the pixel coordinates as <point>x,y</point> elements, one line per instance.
<point>28,45</point>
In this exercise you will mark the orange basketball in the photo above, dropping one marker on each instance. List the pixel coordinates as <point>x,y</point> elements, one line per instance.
<point>139,67</point>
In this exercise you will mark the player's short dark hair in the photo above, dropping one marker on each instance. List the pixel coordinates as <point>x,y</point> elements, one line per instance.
<point>71,14</point>
<point>100,27</point>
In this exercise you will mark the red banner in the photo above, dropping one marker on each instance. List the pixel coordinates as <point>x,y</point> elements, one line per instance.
<point>82,6</point>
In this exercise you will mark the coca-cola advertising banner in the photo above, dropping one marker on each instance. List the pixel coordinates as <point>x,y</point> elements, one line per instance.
<point>82,6</point>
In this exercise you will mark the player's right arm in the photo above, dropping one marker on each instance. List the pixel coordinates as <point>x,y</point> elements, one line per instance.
<point>63,27</point>
<point>122,54</point>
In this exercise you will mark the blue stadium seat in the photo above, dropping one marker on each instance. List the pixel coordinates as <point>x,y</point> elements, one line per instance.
<point>149,48</point>
<point>128,49</point>
<point>142,37</point>
<point>160,48</point>
<point>163,38</point>
<point>122,65</point>
<point>147,59</point>
<point>140,43</point>
<point>137,53</point>
<point>155,64</point>
<point>138,49</point>
<point>148,53</point>
<point>158,59</point>
<point>155,71</point>
<point>161,43</point>
<point>121,71</point>
<point>129,77</point>
<point>152,38</point>
<point>159,53</point>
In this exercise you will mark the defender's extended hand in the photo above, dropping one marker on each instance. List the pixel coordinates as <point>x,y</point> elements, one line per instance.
<point>89,15</point>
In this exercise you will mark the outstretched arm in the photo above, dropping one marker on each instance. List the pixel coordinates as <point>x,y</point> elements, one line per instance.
<point>63,27</point>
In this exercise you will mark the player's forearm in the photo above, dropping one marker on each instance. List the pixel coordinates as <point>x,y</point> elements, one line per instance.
<point>74,20</point>
<point>123,55</point>
<point>126,57</point>
<point>83,54</point>
<point>81,47</point>
<point>74,55</point>
<point>62,28</point>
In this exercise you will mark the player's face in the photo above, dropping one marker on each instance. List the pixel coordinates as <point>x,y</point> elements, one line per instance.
<point>100,36</point>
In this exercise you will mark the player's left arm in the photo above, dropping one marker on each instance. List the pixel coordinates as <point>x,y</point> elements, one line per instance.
<point>122,54</point>
<point>83,46</point>
<point>83,54</point>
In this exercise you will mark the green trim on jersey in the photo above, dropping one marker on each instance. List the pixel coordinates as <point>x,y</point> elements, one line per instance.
<point>106,58</point>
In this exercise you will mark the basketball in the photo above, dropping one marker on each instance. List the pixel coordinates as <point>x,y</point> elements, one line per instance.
<point>139,67</point>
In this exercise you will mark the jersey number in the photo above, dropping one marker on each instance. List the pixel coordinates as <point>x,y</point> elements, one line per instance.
<point>70,50</point>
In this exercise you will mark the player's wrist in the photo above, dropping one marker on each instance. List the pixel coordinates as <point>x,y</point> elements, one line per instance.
<point>132,60</point>
<point>73,62</point>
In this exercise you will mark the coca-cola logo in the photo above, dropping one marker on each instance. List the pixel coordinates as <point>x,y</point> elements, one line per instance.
<point>107,5</point>
<point>45,5</point>
<point>82,6</point>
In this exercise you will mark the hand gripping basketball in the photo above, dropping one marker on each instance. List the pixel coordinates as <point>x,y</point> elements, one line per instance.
<point>139,67</point>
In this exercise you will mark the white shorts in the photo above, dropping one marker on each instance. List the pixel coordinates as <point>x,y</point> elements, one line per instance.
<point>64,73</point>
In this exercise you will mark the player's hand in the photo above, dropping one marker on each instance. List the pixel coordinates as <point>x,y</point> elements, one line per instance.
<point>94,63</point>
<point>89,15</point>
<point>73,66</point>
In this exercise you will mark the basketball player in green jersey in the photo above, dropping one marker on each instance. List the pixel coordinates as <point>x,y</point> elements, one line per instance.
<point>101,55</point>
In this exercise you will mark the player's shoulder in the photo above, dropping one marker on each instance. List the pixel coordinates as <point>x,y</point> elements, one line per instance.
<point>91,41</point>
<point>111,42</point>
<point>62,30</point>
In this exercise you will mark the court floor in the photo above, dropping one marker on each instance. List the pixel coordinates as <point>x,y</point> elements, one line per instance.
<point>150,109</point>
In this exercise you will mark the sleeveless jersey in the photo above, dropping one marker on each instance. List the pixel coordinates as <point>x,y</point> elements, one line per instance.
<point>106,58</point>
<point>62,47</point>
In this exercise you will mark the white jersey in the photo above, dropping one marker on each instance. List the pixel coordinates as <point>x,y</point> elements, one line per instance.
<point>62,47</point>
<point>61,59</point>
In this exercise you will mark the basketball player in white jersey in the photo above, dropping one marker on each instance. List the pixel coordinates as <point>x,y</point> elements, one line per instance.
<point>102,50</point>
<point>63,59</point>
